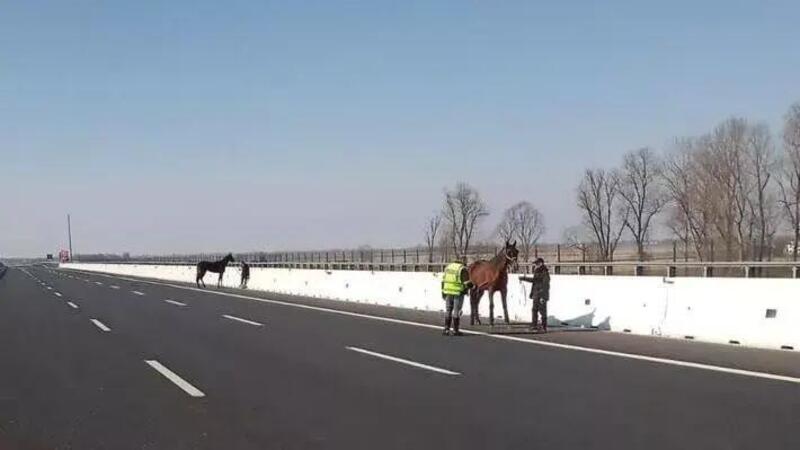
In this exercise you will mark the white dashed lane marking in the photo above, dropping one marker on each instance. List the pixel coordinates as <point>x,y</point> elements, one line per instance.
<point>239,319</point>
<point>173,302</point>
<point>403,361</point>
<point>173,377</point>
<point>100,325</point>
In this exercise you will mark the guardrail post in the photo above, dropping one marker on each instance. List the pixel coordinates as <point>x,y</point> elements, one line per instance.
<point>557,269</point>
<point>638,271</point>
<point>608,270</point>
<point>672,271</point>
<point>581,270</point>
<point>708,271</point>
<point>748,272</point>
<point>795,272</point>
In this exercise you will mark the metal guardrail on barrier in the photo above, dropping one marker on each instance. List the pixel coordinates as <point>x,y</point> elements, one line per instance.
<point>746,269</point>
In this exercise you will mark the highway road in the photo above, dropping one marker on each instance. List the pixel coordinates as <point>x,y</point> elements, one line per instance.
<point>98,362</point>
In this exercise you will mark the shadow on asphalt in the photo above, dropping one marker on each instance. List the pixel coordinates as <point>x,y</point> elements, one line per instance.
<point>525,330</point>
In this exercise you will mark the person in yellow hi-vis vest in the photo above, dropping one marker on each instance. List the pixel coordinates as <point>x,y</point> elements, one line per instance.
<point>455,283</point>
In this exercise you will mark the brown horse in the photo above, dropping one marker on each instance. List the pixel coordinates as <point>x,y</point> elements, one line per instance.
<point>491,276</point>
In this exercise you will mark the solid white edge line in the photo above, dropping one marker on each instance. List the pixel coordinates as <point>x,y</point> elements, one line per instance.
<point>72,305</point>
<point>633,356</point>
<point>173,302</point>
<point>239,319</point>
<point>100,325</point>
<point>138,293</point>
<point>114,286</point>
<point>403,361</point>
<point>173,377</point>
<point>57,294</point>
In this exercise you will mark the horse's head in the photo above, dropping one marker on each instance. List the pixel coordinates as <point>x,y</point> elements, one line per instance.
<point>229,257</point>
<point>511,253</point>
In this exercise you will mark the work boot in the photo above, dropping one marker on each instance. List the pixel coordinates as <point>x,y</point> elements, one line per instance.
<point>456,323</point>
<point>446,330</point>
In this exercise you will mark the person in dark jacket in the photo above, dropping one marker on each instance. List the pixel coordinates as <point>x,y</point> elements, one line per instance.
<point>245,275</point>
<point>540,293</point>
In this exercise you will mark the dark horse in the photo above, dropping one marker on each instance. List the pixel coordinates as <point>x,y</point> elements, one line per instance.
<point>212,266</point>
<point>491,276</point>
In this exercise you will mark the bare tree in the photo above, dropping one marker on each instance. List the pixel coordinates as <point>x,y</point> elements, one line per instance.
<point>789,179</point>
<point>763,199</point>
<point>445,243</point>
<point>725,162</point>
<point>687,184</point>
<point>529,226</point>
<point>431,231</point>
<point>507,228</point>
<point>462,211</point>
<point>641,193</point>
<point>577,237</point>
<point>598,199</point>
<point>679,225</point>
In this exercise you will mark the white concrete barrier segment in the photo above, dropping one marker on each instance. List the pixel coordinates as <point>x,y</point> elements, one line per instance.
<point>750,311</point>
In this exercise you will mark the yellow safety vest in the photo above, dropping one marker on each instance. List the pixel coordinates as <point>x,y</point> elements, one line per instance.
<point>451,282</point>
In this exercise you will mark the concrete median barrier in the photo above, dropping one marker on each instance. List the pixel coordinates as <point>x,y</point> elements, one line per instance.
<point>751,312</point>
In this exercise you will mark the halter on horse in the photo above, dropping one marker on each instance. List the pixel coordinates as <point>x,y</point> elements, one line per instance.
<point>216,267</point>
<point>491,276</point>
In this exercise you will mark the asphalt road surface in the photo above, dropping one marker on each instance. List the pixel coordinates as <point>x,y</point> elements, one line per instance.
<point>97,362</point>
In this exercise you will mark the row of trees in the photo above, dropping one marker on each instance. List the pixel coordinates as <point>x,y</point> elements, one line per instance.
<point>729,188</point>
<point>723,194</point>
<point>463,209</point>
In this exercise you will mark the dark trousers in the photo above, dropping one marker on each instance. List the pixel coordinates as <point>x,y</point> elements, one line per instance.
<point>539,307</point>
<point>453,305</point>
<point>452,313</point>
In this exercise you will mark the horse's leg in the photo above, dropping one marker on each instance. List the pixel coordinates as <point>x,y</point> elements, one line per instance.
<point>491,307</point>
<point>219,280</point>
<point>503,293</point>
<point>473,295</point>
<point>474,303</point>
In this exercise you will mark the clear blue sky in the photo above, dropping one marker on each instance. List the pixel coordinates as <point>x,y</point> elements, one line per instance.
<point>194,126</point>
